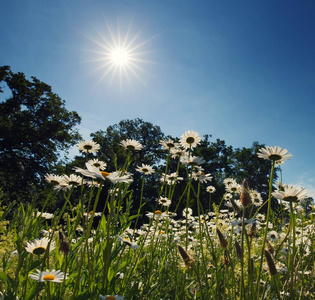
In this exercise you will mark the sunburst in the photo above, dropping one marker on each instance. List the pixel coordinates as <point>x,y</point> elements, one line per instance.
<point>120,56</point>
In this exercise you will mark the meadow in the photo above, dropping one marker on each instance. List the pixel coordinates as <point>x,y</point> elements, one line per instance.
<point>239,248</point>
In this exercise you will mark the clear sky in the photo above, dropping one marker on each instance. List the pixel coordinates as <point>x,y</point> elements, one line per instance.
<point>241,71</point>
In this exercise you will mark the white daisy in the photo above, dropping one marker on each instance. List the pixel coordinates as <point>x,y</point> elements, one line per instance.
<point>192,160</point>
<point>127,241</point>
<point>290,194</point>
<point>46,216</point>
<point>275,153</point>
<point>97,163</point>
<point>145,169</point>
<point>54,179</point>
<point>88,146</point>
<point>201,176</point>
<point>167,144</point>
<point>210,189</point>
<point>164,201</point>
<point>190,139</point>
<point>51,276</point>
<point>72,180</point>
<point>233,187</point>
<point>39,246</point>
<point>131,145</point>
<point>273,235</point>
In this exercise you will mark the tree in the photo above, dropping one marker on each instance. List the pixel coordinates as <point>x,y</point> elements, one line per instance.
<point>35,126</point>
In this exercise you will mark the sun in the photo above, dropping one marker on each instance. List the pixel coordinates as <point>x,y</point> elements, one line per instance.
<point>120,56</point>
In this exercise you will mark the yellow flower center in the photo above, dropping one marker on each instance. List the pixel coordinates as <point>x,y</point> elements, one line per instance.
<point>49,277</point>
<point>190,140</point>
<point>104,174</point>
<point>158,212</point>
<point>39,250</point>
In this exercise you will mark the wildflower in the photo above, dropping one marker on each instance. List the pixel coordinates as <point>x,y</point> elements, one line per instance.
<point>229,181</point>
<point>51,276</point>
<point>201,176</point>
<point>46,216</point>
<point>164,201</point>
<point>210,189</point>
<point>94,172</point>
<point>233,187</point>
<point>273,236</point>
<point>192,160</point>
<point>190,139</point>
<point>72,180</point>
<point>171,179</point>
<point>126,241</point>
<point>238,222</point>
<point>275,153</point>
<point>271,264</point>
<point>167,144</point>
<point>145,169</point>
<point>88,146</point>
<point>188,260</point>
<point>97,163</point>
<point>290,194</point>
<point>177,152</point>
<point>110,297</point>
<point>245,196</point>
<point>256,198</point>
<point>131,145</point>
<point>39,246</point>
<point>54,179</point>
<point>222,240</point>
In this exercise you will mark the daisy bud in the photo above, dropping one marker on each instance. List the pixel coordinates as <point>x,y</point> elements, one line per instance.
<point>222,240</point>
<point>252,232</point>
<point>63,244</point>
<point>188,260</point>
<point>271,264</point>
<point>270,248</point>
<point>238,248</point>
<point>226,259</point>
<point>245,196</point>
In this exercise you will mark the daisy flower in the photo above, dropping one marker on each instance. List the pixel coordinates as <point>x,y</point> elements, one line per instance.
<point>164,201</point>
<point>54,179</point>
<point>190,139</point>
<point>275,153</point>
<point>127,241</point>
<point>229,181</point>
<point>72,180</point>
<point>145,169</point>
<point>273,235</point>
<point>88,146</point>
<point>39,246</point>
<point>97,163</point>
<point>233,187</point>
<point>46,216</point>
<point>192,160</point>
<point>201,176</point>
<point>51,276</point>
<point>290,194</point>
<point>131,145</point>
<point>210,189</point>
<point>167,144</point>
<point>177,152</point>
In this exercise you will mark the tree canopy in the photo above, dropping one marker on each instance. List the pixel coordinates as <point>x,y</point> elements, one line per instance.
<point>35,126</point>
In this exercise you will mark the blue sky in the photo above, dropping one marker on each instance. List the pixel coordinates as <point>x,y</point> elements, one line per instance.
<point>242,71</point>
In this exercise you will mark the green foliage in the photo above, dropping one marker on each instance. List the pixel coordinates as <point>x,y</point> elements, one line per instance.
<point>35,126</point>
